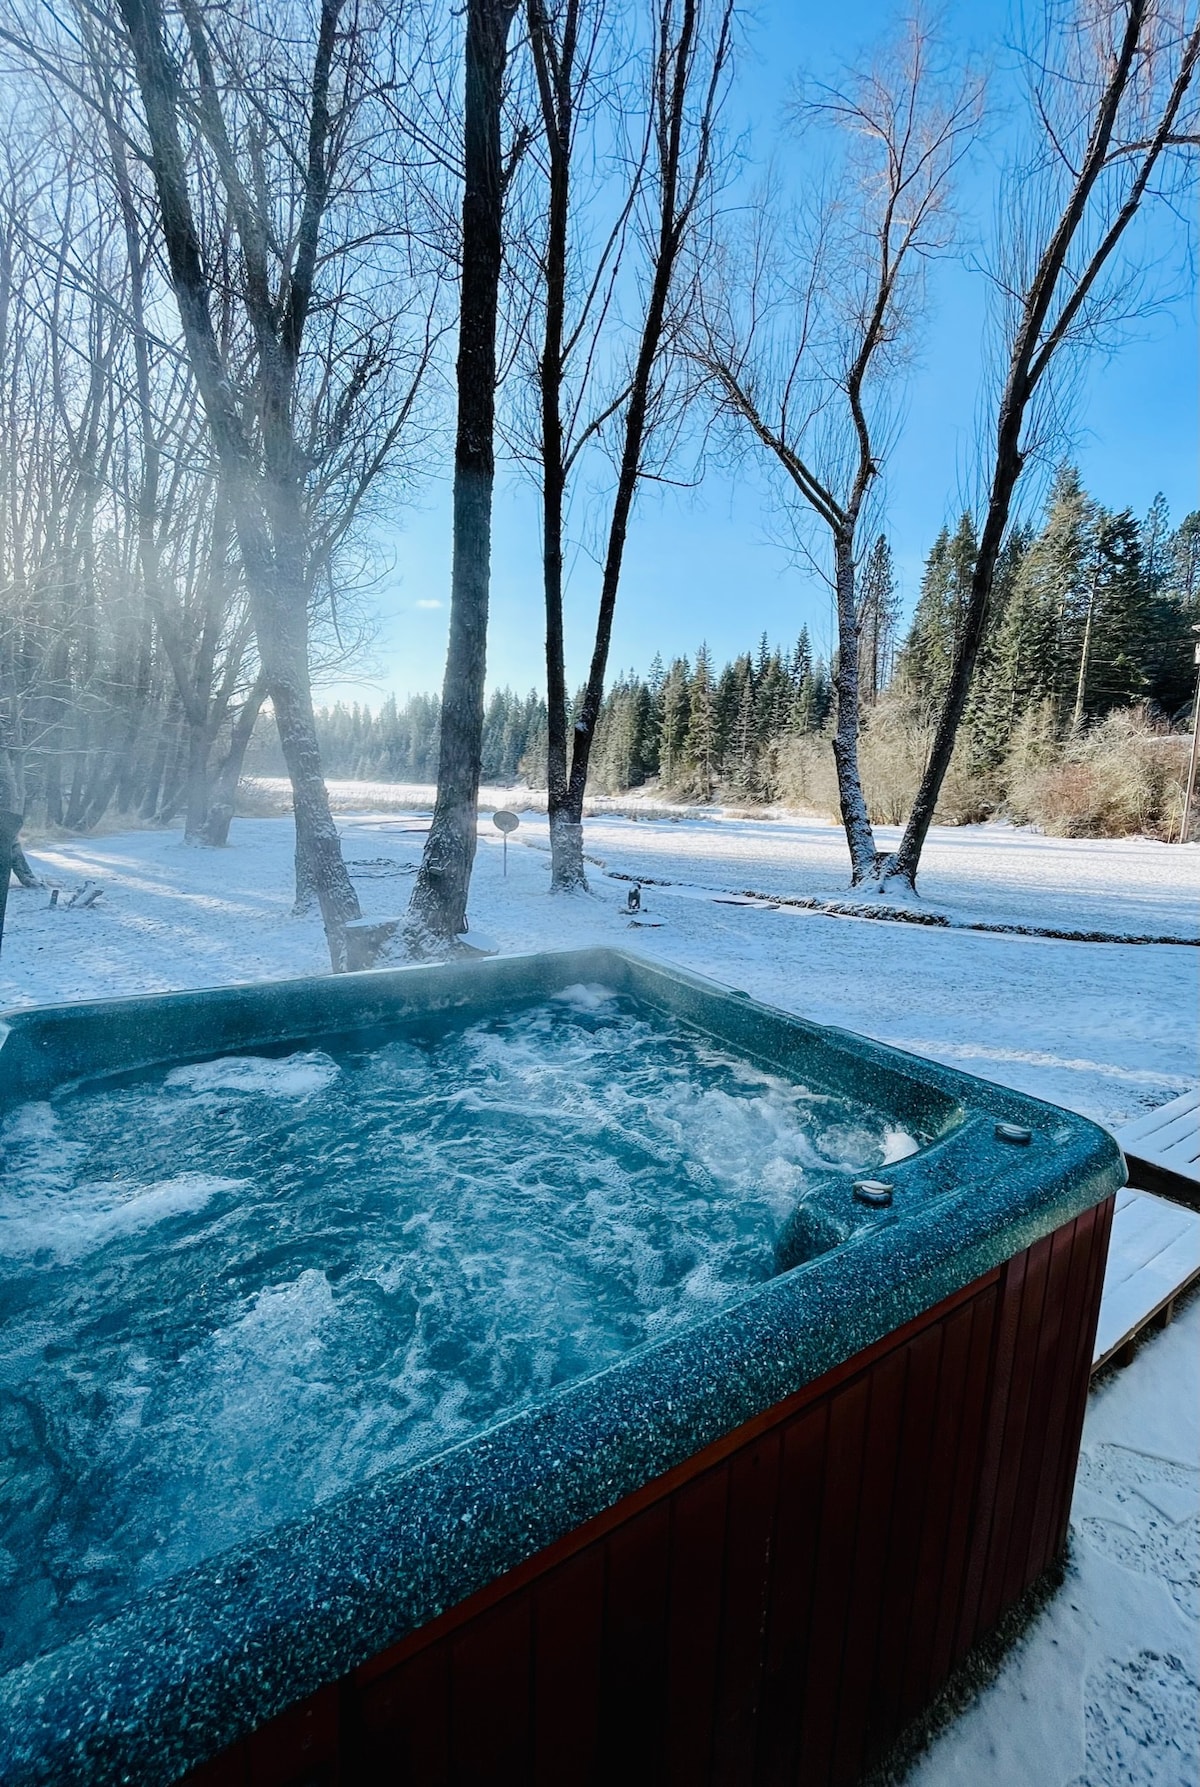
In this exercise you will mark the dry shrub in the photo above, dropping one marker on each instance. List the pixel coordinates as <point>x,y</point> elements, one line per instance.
<point>1117,779</point>
<point>893,749</point>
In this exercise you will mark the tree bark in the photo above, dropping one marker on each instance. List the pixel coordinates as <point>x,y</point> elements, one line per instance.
<point>864,858</point>
<point>221,808</point>
<point>12,817</point>
<point>10,825</point>
<point>554,76</point>
<point>438,910</point>
<point>21,869</point>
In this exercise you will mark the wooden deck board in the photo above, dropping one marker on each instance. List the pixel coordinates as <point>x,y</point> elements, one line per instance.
<point>1154,1255</point>
<point>1168,1138</point>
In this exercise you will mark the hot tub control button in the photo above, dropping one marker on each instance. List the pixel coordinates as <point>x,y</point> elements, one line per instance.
<point>873,1191</point>
<point>1013,1132</point>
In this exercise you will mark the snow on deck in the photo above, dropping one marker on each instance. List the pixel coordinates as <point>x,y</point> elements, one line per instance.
<point>1153,1254</point>
<point>1168,1137</point>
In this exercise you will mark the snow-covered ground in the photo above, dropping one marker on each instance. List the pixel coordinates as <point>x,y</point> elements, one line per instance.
<point>1108,1029</point>
<point>1101,1691</point>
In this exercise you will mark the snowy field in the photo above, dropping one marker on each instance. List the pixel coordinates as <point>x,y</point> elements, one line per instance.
<point>1107,1029</point>
<point>1101,1690</point>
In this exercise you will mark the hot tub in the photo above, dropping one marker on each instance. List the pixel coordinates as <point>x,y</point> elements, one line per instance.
<point>552,1368</point>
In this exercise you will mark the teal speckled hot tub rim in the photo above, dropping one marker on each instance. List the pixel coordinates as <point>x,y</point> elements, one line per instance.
<point>215,1652</point>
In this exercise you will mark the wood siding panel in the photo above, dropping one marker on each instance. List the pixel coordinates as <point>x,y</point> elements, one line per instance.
<point>770,1613</point>
<point>966,1462</point>
<point>789,1611</point>
<point>698,1524</point>
<point>633,1667</point>
<point>491,1732</point>
<point>1078,1371</point>
<point>886,1419</point>
<point>404,1722</point>
<point>746,1580</point>
<point>568,1633</point>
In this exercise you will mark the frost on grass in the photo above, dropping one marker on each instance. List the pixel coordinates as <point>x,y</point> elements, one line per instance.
<point>236,1288</point>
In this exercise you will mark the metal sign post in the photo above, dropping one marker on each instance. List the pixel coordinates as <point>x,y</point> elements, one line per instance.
<point>505,822</point>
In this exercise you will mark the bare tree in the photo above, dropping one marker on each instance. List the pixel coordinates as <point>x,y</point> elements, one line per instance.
<point>664,183</point>
<point>255,140</point>
<point>438,909</point>
<point>797,338</point>
<point>1110,104</point>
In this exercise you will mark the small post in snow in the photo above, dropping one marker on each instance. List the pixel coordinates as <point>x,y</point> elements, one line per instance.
<point>505,822</point>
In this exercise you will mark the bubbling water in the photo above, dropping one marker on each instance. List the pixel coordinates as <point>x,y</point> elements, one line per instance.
<point>231,1289</point>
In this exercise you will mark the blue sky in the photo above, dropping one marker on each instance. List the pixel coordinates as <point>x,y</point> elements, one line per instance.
<point>707,563</point>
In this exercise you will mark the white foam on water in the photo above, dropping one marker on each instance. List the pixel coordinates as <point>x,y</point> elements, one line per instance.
<point>295,1076</point>
<point>43,1220</point>
<point>898,1144</point>
<point>370,1259</point>
<point>585,997</point>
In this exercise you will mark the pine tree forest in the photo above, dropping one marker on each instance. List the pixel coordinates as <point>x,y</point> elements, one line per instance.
<point>1089,646</point>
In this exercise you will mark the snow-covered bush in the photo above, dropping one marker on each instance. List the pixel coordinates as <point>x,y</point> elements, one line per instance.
<point>892,753</point>
<point>1113,780</point>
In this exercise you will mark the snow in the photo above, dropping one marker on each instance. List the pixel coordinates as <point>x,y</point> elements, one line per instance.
<point>1101,1690</point>
<point>997,874</point>
<point>1106,1029</point>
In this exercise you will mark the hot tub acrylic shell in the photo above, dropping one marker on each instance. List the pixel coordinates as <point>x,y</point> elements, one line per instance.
<point>750,1552</point>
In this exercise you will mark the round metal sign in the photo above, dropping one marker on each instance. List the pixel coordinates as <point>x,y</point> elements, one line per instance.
<point>505,821</point>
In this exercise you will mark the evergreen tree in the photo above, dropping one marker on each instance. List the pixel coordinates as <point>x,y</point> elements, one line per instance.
<point>1170,669</point>
<point>726,704</point>
<point>1117,635</point>
<point>800,718</point>
<point>1040,635</point>
<point>772,691</point>
<point>702,728</point>
<point>988,718</point>
<point>673,709</point>
<point>878,610</point>
<point>928,651</point>
<point>744,743</point>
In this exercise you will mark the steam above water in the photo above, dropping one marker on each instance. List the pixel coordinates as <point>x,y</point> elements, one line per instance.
<point>232,1289</point>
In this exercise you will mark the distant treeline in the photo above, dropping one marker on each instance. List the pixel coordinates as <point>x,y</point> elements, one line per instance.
<point>1093,615</point>
<point>684,723</point>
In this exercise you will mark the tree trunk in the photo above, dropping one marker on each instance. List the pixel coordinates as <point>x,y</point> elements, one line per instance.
<point>864,858</point>
<point>21,869</point>
<point>158,765</point>
<point>11,819</point>
<point>199,747</point>
<point>554,67</point>
<point>677,198</point>
<point>438,910</point>
<point>281,628</point>
<point>10,825</point>
<point>220,812</point>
